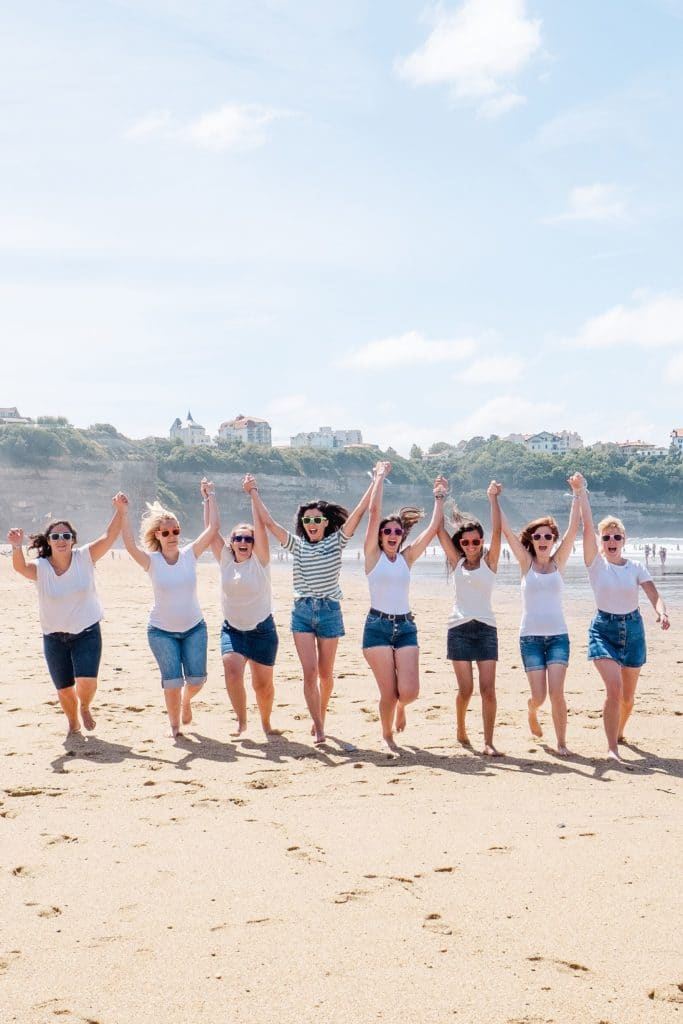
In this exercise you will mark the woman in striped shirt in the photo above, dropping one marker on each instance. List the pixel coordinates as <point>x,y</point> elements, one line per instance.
<point>322,532</point>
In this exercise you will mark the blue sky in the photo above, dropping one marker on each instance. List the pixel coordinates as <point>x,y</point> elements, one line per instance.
<point>424,221</point>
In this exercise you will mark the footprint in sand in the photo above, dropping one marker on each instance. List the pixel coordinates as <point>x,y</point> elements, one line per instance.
<point>668,993</point>
<point>435,923</point>
<point>50,912</point>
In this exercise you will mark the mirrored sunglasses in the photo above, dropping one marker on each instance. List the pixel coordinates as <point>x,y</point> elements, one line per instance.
<point>397,531</point>
<point>612,536</point>
<point>60,536</point>
<point>313,519</point>
<point>542,536</point>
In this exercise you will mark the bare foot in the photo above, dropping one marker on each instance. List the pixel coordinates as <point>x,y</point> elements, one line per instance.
<point>88,720</point>
<point>613,755</point>
<point>533,720</point>
<point>391,749</point>
<point>237,731</point>
<point>187,712</point>
<point>400,720</point>
<point>464,740</point>
<point>320,740</point>
<point>490,751</point>
<point>562,750</point>
<point>174,732</point>
<point>74,730</point>
<point>270,731</point>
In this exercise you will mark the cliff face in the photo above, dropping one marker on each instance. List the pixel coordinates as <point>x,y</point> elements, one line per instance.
<point>29,497</point>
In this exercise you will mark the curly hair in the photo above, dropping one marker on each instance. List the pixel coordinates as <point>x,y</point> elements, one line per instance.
<point>152,519</point>
<point>611,521</point>
<point>531,528</point>
<point>406,517</point>
<point>336,516</point>
<point>40,541</point>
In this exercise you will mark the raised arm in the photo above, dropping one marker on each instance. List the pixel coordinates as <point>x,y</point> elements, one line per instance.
<point>419,545</point>
<point>261,512</point>
<point>493,553</point>
<point>99,547</point>
<point>205,538</point>
<point>590,544</point>
<point>351,524</point>
<point>449,548</point>
<point>518,550</point>
<point>29,570</point>
<point>577,484</point>
<point>217,541</point>
<point>136,553</point>
<point>261,542</point>
<point>371,546</point>
<point>657,602</point>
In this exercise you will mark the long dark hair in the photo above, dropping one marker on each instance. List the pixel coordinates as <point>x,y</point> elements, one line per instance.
<point>336,516</point>
<point>40,542</point>
<point>462,523</point>
<point>406,517</point>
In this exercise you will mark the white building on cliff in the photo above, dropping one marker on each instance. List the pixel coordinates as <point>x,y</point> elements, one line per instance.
<point>325,437</point>
<point>190,433</point>
<point>248,429</point>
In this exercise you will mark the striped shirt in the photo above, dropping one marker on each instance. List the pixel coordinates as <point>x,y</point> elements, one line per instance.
<point>317,566</point>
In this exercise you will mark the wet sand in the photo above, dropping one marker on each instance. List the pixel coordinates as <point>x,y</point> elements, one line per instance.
<point>220,880</point>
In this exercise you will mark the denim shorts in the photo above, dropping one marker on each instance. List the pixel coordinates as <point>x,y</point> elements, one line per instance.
<point>540,651</point>
<point>318,615</point>
<point>258,644</point>
<point>72,656</point>
<point>181,657</point>
<point>385,631</point>
<point>620,638</point>
<point>473,641</point>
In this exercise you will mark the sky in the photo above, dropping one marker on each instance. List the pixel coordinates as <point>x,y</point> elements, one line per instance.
<point>424,221</point>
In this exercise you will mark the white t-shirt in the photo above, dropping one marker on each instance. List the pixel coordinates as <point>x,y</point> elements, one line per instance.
<point>68,603</point>
<point>473,591</point>
<point>616,587</point>
<point>245,591</point>
<point>542,613</point>
<point>176,606</point>
<point>389,584</point>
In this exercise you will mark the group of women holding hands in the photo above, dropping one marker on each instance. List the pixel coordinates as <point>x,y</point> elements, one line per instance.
<point>70,610</point>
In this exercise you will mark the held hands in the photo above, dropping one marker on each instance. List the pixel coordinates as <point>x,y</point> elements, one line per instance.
<point>381,470</point>
<point>664,620</point>
<point>440,487</point>
<point>15,537</point>
<point>577,482</point>
<point>249,483</point>
<point>494,490</point>
<point>207,489</point>
<point>120,502</point>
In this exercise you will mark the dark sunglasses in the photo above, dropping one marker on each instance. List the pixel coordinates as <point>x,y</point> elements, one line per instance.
<point>612,536</point>
<point>474,543</point>
<point>542,536</point>
<point>397,531</point>
<point>241,538</point>
<point>61,536</point>
<point>313,519</point>
<point>175,531</point>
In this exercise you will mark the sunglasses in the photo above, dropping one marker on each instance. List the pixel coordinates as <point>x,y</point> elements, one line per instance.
<point>61,536</point>
<point>241,538</point>
<point>397,531</point>
<point>474,543</point>
<point>306,520</point>
<point>542,536</point>
<point>175,531</point>
<point>612,536</point>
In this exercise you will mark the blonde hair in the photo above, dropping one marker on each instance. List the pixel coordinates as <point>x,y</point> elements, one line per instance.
<point>611,521</point>
<point>152,519</point>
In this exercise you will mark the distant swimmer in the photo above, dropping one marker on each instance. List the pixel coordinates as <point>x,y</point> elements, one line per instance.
<point>616,636</point>
<point>69,608</point>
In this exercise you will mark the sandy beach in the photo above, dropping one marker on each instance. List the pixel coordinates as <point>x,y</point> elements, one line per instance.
<point>221,880</point>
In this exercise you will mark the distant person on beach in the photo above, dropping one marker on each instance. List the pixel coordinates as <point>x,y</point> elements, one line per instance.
<point>543,633</point>
<point>69,608</point>
<point>662,555</point>
<point>248,634</point>
<point>322,531</point>
<point>176,630</point>
<point>472,632</point>
<point>616,636</point>
<point>390,635</point>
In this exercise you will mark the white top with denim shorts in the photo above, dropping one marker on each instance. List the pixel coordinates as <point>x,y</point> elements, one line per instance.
<point>245,591</point>
<point>542,613</point>
<point>473,591</point>
<point>389,584</point>
<point>615,587</point>
<point>317,566</point>
<point>68,603</point>
<point>176,605</point>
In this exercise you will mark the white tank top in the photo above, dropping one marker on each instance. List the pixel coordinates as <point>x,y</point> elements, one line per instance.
<point>176,606</point>
<point>389,584</point>
<point>245,591</point>
<point>68,603</point>
<point>473,590</point>
<point>542,613</point>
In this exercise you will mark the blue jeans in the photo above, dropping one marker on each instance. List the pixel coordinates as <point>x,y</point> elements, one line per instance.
<point>72,656</point>
<point>318,615</point>
<point>388,631</point>
<point>620,638</point>
<point>181,657</point>
<point>258,644</point>
<point>540,651</point>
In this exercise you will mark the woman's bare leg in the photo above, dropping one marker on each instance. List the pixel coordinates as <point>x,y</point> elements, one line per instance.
<point>465,681</point>
<point>610,673</point>
<point>629,681</point>
<point>407,660</point>
<point>558,704</point>
<point>233,669</point>
<point>487,689</point>
<point>327,652</point>
<point>86,688</point>
<point>539,691</point>
<point>307,650</point>
<point>190,691</point>
<point>264,691</point>
<point>381,661</point>
<point>173,698</point>
<point>68,699</point>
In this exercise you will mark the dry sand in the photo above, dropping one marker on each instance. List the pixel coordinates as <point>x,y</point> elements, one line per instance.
<point>212,880</point>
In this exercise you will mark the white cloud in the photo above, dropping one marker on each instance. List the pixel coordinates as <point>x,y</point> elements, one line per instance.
<point>650,322</point>
<point>509,414</point>
<point>492,370</point>
<point>673,373</point>
<point>598,202</point>
<point>477,49</point>
<point>407,349</point>
<point>233,126</point>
